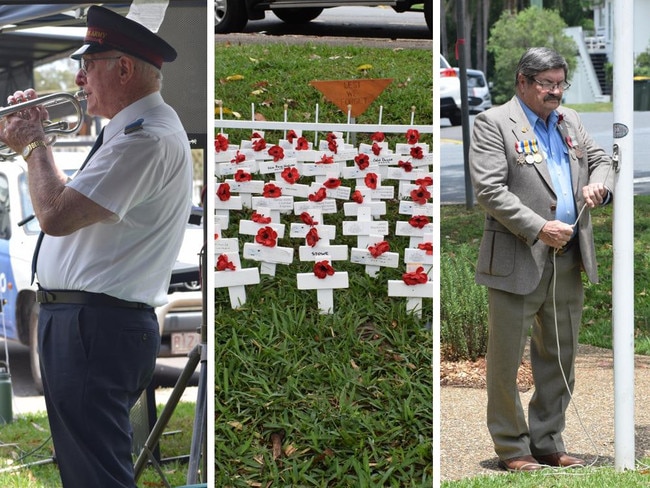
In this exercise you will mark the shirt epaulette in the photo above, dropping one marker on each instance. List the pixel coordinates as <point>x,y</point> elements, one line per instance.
<point>133,126</point>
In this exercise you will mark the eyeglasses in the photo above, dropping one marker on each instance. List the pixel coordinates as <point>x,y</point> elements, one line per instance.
<point>548,86</point>
<point>87,63</point>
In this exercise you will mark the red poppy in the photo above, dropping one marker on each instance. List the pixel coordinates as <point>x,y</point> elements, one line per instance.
<point>420,195</point>
<point>323,269</point>
<point>259,145</point>
<point>308,219</point>
<point>419,221</point>
<point>291,135</point>
<point>216,236</point>
<point>241,176</point>
<point>290,175</point>
<point>319,196</point>
<point>331,145</point>
<point>330,136</point>
<point>267,236</point>
<point>277,153</point>
<point>260,219</point>
<point>426,181</point>
<point>302,144</point>
<point>332,183</point>
<point>376,149</point>
<point>379,249</point>
<point>378,137</point>
<point>221,143</point>
<point>416,152</point>
<point>426,247</point>
<point>412,136</point>
<point>357,196</point>
<point>362,160</point>
<point>223,192</point>
<point>223,263</point>
<point>416,277</point>
<point>256,135</point>
<point>239,157</point>
<point>272,191</point>
<point>405,165</point>
<point>312,237</point>
<point>371,181</point>
<point>326,159</point>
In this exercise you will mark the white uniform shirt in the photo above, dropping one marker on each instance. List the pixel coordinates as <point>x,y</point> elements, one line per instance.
<point>143,176</point>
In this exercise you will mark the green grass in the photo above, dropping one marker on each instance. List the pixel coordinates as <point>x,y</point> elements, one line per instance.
<point>348,395</point>
<point>305,399</point>
<point>592,107</point>
<point>276,75</point>
<point>459,226</point>
<point>26,451</point>
<point>582,478</point>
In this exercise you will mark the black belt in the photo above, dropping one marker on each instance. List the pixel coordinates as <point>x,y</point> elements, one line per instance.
<point>84,298</point>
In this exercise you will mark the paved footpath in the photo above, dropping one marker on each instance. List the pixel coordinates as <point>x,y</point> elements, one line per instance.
<point>466,448</point>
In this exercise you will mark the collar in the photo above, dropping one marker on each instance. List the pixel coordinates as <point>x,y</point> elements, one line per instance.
<point>130,114</point>
<point>532,117</point>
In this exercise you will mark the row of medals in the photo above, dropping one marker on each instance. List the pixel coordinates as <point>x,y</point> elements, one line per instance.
<point>529,158</point>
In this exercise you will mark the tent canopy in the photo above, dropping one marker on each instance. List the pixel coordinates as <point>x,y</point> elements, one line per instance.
<point>22,48</point>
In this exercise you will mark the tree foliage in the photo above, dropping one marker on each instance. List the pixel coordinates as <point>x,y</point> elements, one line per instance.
<point>512,34</point>
<point>480,14</point>
<point>642,63</point>
<point>56,76</point>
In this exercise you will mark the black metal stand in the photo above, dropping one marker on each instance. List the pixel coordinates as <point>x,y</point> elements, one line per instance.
<point>199,439</point>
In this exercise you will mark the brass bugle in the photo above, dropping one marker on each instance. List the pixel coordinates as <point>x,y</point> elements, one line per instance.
<point>52,129</point>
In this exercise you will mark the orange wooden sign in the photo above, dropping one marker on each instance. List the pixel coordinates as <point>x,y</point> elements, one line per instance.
<point>356,94</point>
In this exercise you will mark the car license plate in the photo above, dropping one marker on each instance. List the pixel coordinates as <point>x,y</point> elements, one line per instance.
<point>184,342</point>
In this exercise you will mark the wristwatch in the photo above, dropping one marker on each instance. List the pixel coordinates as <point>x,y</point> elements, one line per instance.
<point>27,151</point>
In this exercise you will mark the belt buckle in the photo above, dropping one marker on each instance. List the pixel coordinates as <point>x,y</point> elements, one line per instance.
<point>44,296</point>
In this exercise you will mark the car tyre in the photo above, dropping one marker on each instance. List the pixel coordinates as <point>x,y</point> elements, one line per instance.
<point>428,14</point>
<point>229,16</point>
<point>34,358</point>
<point>298,15</point>
<point>456,118</point>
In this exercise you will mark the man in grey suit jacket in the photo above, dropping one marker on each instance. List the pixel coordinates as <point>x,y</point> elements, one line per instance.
<point>536,173</point>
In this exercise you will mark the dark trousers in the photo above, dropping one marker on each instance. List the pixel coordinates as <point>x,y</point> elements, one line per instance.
<point>95,363</point>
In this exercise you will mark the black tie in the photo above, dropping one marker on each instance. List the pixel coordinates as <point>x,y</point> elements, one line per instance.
<point>98,143</point>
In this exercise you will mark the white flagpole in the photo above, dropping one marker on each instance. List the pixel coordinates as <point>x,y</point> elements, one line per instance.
<point>623,236</point>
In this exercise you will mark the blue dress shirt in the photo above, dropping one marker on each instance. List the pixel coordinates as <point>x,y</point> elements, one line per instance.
<point>556,155</point>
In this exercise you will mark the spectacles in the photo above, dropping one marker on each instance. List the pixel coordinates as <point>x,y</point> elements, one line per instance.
<point>548,86</point>
<point>87,63</point>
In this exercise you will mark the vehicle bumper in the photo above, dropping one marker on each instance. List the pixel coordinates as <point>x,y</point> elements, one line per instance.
<point>180,323</point>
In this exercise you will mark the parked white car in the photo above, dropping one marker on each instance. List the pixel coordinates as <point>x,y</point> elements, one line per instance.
<point>478,91</point>
<point>450,101</point>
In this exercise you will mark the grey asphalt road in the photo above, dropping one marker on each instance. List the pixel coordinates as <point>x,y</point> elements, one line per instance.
<point>367,22</point>
<point>599,125</point>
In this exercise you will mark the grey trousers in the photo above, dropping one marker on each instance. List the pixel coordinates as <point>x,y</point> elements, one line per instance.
<point>554,311</point>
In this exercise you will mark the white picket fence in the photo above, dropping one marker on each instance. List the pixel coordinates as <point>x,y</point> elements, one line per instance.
<point>348,127</point>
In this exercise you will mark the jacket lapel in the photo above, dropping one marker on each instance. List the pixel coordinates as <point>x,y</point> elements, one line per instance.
<point>522,131</point>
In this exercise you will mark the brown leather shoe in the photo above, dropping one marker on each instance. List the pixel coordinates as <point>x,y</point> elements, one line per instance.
<point>561,459</point>
<point>521,463</point>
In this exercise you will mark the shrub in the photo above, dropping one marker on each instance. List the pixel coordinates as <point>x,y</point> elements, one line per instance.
<point>463,307</point>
